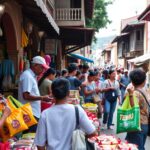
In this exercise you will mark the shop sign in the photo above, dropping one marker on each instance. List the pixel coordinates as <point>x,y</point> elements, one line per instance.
<point>51,46</point>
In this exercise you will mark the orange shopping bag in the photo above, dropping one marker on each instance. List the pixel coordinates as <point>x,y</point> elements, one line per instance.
<point>15,122</point>
<point>28,117</point>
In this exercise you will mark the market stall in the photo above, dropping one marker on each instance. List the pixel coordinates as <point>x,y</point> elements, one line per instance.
<point>21,118</point>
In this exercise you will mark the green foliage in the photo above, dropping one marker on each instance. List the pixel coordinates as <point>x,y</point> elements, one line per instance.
<point>100,18</point>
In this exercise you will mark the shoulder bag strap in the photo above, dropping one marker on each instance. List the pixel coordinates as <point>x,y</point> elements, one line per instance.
<point>109,82</point>
<point>77,116</point>
<point>143,96</point>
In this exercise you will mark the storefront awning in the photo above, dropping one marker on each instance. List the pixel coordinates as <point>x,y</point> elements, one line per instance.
<point>78,56</point>
<point>140,60</point>
<point>145,15</point>
<point>76,36</point>
<point>37,11</point>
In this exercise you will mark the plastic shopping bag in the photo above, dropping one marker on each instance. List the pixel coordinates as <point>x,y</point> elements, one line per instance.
<point>15,122</point>
<point>128,118</point>
<point>28,117</point>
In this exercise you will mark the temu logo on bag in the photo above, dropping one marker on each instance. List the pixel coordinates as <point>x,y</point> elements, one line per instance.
<point>26,118</point>
<point>15,124</point>
<point>127,117</point>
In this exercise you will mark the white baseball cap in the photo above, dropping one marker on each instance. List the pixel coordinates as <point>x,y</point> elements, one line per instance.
<point>39,60</point>
<point>125,70</point>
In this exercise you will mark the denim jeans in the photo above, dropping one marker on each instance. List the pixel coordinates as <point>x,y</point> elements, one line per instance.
<point>109,109</point>
<point>139,137</point>
<point>122,94</point>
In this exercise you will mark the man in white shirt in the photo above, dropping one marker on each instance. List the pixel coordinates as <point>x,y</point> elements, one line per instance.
<point>28,91</point>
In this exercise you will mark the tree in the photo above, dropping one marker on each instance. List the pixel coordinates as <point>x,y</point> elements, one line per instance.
<point>100,18</point>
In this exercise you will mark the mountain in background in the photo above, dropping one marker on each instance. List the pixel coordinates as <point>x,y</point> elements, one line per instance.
<point>102,42</point>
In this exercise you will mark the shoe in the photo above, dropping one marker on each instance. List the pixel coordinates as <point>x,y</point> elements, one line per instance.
<point>111,127</point>
<point>104,126</point>
<point>112,124</point>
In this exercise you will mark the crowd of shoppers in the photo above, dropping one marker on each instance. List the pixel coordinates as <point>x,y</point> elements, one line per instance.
<point>105,87</point>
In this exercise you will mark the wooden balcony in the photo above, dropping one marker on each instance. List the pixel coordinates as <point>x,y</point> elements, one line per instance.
<point>139,45</point>
<point>132,54</point>
<point>69,17</point>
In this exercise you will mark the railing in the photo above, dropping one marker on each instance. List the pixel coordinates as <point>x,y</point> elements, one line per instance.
<point>68,14</point>
<point>133,54</point>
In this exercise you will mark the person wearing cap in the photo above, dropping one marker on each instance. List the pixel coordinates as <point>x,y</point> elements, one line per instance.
<point>124,82</point>
<point>28,91</point>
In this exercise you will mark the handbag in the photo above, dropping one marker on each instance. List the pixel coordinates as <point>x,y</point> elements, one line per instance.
<point>111,95</point>
<point>79,141</point>
<point>148,109</point>
<point>96,98</point>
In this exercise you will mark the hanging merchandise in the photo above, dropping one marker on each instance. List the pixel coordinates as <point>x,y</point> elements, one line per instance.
<point>8,74</point>
<point>21,65</point>
<point>24,40</point>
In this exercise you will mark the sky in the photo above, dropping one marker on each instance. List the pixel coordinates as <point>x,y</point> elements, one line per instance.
<point>121,9</point>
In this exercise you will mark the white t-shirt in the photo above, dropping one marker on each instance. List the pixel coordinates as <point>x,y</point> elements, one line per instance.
<point>57,124</point>
<point>28,83</point>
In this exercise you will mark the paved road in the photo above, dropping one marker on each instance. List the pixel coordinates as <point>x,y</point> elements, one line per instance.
<point>122,135</point>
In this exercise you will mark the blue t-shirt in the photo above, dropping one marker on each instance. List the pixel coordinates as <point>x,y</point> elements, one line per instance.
<point>74,82</point>
<point>90,87</point>
<point>125,81</point>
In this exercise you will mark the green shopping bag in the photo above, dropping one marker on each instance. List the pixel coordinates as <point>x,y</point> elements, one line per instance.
<point>128,118</point>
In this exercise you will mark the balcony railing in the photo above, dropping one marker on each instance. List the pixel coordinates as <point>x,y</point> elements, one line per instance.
<point>68,14</point>
<point>132,54</point>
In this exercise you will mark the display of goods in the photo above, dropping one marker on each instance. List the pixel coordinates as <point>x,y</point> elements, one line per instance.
<point>107,147</point>
<point>74,94</point>
<point>73,101</point>
<point>28,136</point>
<point>90,106</point>
<point>110,142</point>
<point>105,140</point>
<point>23,144</point>
<point>127,146</point>
<point>94,119</point>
